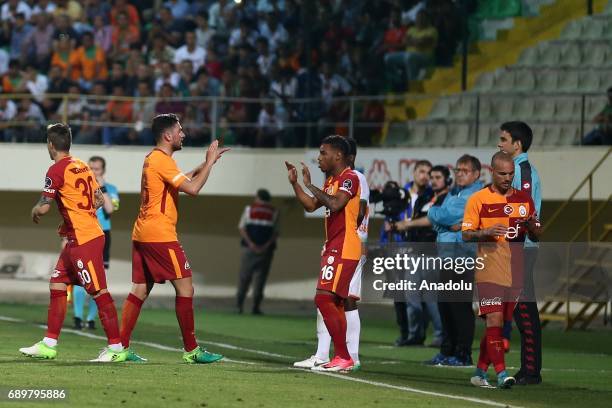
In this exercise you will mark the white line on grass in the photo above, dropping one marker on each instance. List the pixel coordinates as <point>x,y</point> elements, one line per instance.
<point>416,390</point>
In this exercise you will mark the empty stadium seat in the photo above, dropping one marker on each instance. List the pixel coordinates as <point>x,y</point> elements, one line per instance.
<point>458,134</point>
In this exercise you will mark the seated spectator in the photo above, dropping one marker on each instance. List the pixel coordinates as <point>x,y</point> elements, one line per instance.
<point>71,108</point>
<point>123,37</point>
<point>269,127</point>
<point>179,8</point>
<point>90,62</point>
<point>166,103</point>
<point>274,32</point>
<point>143,113</point>
<point>205,85</point>
<point>265,59</point>
<point>213,65</point>
<point>602,134</point>
<point>420,42</point>
<point>96,8</point>
<point>190,51</point>
<point>19,34</point>
<point>36,83</point>
<point>122,6</point>
<point>31,120</point>
<point>8,112</point>
<point>37,47</point>
<point>197,116</point>
<point>103,33</point>
<point>204,33</point>
<point>168,27</point>
<point>167,76</point>
<point>13,81</point>
<point>159,52</point>
<point>117,76</point>
<point>69,7</point>
<point>119,112</point>
<point>243,35</point>
<point>63,28</point>
<point>373,113</point>
<point>185,72</point>
<point>217,13</point>
<point>95,110</point>
<point>64,57</point>
<point>58,84</point>
<point>394,35</point>
<point>44,7</point>
<point>332,84</point>
<point>11,8</point>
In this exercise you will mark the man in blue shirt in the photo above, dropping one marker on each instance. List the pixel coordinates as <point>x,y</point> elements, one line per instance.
<point>515,139</point>
<point>111,204</point>
<point>458,319</point>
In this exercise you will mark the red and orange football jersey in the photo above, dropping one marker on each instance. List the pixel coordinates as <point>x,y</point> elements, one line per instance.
<point>159,190</point>
<point>341,226</point>
<point>72,184</point>
<point>503,260</point>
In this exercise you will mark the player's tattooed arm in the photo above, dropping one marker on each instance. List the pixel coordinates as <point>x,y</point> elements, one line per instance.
<point>484,234</point>
<point>98,199</point>
<point>41,208</point>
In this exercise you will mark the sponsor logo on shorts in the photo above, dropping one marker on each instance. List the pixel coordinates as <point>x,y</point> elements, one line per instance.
<point>330,260</point>
<point>496,301</point>
<point>508,209</point>
<point>522,210</point>
<point>80,264</point>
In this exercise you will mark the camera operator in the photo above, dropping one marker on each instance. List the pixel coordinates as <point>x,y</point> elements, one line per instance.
<point>457,317</point>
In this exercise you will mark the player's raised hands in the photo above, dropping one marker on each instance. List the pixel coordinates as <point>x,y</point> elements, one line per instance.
<point>214,153</point>
<point>292,173</point>
<point>305,174</point>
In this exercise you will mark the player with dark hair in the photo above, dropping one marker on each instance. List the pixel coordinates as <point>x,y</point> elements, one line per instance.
<point>157,256</point>
<point>73,186</point>
<point>499,217</point>
<point>515,139</point>
<point>353,323</point>
<point>342,249</point>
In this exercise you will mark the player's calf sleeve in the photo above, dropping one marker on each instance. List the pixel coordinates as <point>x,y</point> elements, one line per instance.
<point>56,313</point>
<point>483,357</point>
<point>108,318</point>
<point>353,330</point>
<point>323,338</point>
<point>334,322</point>
<point>184,315</point>
<point>129,316</point>
<point>495,348</point>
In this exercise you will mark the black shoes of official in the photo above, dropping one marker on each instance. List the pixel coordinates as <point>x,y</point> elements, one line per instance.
<point>524,379</point>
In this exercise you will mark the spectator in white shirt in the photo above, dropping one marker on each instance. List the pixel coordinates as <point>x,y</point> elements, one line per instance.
<point>12,7</point>
<point>190,51</point>
<point>265,60</point>
<point>273,31</point>
<point>168,76</point>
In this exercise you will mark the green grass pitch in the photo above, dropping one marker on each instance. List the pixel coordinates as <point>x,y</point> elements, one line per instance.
<point>260,350</point>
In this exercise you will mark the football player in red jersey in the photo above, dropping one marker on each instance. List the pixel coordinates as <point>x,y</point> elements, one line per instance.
<point>340,197</point>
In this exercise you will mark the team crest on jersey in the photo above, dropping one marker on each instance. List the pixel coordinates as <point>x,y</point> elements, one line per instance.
<point>80,264</point>
<point>508,209</point>
<point>347,184</point>
<point>187,266</point>
<point>526,186</point>
<point>330,260</point>
<point>522,211</point>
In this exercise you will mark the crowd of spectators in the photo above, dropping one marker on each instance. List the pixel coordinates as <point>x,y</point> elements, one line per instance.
<point>177,51</point>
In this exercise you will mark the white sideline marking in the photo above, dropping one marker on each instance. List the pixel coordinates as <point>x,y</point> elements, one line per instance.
<point>232,347</point>
<point>416,390</point>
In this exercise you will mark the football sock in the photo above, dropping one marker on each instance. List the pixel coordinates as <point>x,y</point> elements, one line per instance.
<point>108,317</point>
<point>353,329</point>
<point>495,348</point>
<point>129,316</point>
<point>93,309</point>
<point>323,338</point>
<point>56,313</point>
<point>335,321</point>
<point>184,315</point>
<point>483,357</point>
<point>50,342</point>
<point>78,300</point>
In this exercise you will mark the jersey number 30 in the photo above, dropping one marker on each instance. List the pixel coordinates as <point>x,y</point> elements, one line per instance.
<point>86,191</point>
